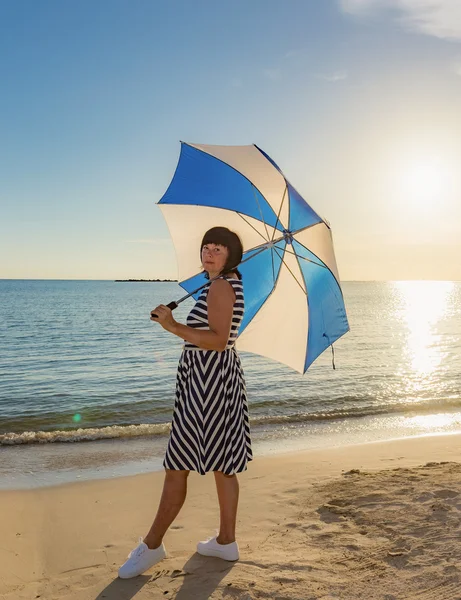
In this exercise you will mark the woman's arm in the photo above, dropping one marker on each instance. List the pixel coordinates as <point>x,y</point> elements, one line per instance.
<point>220,301</point>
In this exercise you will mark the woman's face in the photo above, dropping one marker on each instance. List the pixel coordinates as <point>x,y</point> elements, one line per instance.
<point>214,257</point>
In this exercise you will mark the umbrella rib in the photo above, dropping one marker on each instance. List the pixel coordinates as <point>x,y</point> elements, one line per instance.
<point>259,208</point>
<point>308,305</point>
<point>308,227</point>
<point>326,267</point>
<point>273,271</point>
<point>252,226</point>
<point>280,210</point>
<point>265,301</point>
<point>304,258</point>
<point>293,275</point>
<point>234,169</point>
<point>260,249</point>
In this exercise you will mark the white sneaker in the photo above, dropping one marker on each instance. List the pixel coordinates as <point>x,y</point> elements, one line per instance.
<point>212,548</point>
<point>140,559</point>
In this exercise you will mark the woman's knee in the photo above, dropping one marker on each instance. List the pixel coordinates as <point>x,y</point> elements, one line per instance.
<point>225,475</point>
<point>176,474</point>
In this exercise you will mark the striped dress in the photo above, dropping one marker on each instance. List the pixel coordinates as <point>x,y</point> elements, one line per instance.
<point>210,428</point>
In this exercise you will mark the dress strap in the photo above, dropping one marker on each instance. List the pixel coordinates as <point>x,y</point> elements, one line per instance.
<point>229,278</point>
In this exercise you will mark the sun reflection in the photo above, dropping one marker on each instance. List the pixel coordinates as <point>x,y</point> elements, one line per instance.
<point>423,304</point>
<point>430,422</point>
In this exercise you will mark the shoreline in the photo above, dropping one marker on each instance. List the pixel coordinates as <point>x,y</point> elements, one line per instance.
<point>292,507</point>
<point>34,466</point>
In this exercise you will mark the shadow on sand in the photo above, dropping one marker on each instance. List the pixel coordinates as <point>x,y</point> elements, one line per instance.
<point>200,577</point>
<point>123,589</point>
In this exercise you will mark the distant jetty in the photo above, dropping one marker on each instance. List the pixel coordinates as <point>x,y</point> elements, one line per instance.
<point>148,280</point>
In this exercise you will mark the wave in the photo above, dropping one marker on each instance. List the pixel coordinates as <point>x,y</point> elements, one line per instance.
<point>90,434</point>
<point>434,407</point>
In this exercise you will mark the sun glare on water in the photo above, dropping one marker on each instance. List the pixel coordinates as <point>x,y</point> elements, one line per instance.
<point>422,307</point>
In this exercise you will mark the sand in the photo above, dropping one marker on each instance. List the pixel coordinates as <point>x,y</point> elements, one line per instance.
<point>372,521</point>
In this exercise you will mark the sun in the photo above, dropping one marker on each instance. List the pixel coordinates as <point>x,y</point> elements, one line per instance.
<point>424,180</point>
<point>425,183</point>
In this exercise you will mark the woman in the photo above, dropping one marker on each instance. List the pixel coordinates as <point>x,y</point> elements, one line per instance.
<point>210,428</point>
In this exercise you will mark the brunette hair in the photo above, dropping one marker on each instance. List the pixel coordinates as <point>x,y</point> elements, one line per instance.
<point>225,237</point>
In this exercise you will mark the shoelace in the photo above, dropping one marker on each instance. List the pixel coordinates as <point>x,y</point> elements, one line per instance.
<point>212,537</point>
<point>138,551</point>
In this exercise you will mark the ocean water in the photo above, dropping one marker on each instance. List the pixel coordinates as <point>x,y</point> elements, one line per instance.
<point>87,380</point>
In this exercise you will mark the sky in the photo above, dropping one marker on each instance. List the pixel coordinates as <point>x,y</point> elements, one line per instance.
<point>358,101</point>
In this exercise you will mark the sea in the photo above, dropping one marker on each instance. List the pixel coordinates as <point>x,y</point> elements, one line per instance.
<point>87,380</point>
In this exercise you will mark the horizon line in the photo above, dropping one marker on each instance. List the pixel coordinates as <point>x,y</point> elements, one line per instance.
<point>150,280</point>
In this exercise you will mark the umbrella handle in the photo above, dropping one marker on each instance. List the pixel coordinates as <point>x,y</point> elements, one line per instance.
<point>171,306</point>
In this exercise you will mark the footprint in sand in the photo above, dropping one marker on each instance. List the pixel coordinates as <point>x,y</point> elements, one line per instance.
<point>440,506</point>
<point>166,573</point>
<point>446,494</point>
<point>339,502</point>
<point>158,574</point>
<point>425,497</point>
<point>330,514</point>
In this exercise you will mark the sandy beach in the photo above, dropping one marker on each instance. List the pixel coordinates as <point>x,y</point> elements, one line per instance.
<point>373,521</point>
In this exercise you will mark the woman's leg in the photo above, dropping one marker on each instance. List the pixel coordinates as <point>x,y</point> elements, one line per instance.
<point>173,496</point>
<point>227,487</point>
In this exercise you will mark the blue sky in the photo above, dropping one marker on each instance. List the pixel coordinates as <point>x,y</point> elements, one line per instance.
<point>358,101</point>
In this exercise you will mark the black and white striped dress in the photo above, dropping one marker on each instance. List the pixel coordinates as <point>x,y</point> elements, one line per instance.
<point>210,428</point>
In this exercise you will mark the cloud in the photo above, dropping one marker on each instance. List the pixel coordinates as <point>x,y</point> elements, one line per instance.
<point>336,76</point>
<point>273,74</point>
<point>439,18</point>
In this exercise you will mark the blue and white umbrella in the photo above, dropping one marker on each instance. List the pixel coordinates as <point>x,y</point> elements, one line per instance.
<point>294,307</point>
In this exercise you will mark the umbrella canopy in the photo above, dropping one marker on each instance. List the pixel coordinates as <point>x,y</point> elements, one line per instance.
<point>294,307</point>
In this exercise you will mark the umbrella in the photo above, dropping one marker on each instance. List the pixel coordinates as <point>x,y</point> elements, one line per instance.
<point>294,307</point>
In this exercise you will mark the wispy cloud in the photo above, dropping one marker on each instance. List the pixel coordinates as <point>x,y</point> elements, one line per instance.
<point>336,76</point>
<point>439,18</point>
<point>273,74</point>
